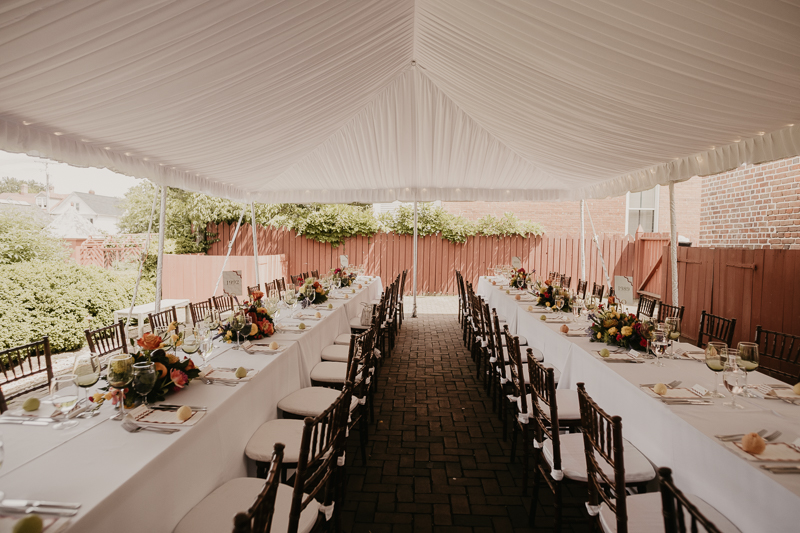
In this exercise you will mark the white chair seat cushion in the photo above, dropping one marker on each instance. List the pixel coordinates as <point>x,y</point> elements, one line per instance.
<point>645,514</point>
<point>573,460</point>
<point>355,323</point>
<point>262,443</point>
<point>335,352</point>
<point>567,402</point>
<point>329,372</point>
<point>522,340</point>
<point>309,401</point>
<point>215,512</point>
<point>342,340</point>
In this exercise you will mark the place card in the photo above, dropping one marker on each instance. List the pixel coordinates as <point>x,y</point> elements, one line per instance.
<point>778,452</point>
<point>699,389</point>
<point>145,415</point>
<point>634,354</point>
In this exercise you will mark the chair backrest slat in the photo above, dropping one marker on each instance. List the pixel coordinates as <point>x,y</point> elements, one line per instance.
<point>669,311</point>
<point>223,303</point>
<point>713,327</point>
<point>779,354</point>
<point>646,307</point>
<point>108,339</point>
<point>200,310</point>
<point>162,319</point>
<point>25,361</point>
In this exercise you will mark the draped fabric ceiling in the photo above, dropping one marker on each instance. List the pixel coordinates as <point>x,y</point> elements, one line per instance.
<point>375,101</point>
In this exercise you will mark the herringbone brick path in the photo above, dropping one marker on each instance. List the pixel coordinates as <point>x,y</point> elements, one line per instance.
<point>436,457</point>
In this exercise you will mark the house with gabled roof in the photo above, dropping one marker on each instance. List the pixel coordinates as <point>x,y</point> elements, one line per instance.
<point>101,211</point>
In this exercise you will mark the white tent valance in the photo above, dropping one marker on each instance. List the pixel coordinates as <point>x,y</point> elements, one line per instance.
<point>375,101</point>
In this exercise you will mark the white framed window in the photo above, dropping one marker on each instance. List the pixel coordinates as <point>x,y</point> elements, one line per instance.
<point>41,201</point>
<point>641,208</point>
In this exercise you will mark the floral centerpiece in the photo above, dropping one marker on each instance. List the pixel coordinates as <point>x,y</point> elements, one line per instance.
<point>262,323</point>
<point>347,278</point>
<point>312,284</point>
<point>172,372</point>
<point>548,294</point>
<point>618,329</point>
<point>519,278</point>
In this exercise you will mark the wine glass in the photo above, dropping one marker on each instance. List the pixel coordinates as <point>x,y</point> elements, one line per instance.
<point>191,341</point>
<point>144,379</point>
<point>87,371</point>
<point>206,349</point>
<point>290,299</point>
<point>716,357</point>
<point>659,345</point>
<point>577,308</point>
<point>674,326</point>
<point>237,324</point>
<point>64,395</point>
<point>748,361</point>
<point>119,375</point>
<point>733,377</point>
<point>311,294</point>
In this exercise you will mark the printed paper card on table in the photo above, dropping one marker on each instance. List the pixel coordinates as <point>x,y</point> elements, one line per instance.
<point>232,282</point>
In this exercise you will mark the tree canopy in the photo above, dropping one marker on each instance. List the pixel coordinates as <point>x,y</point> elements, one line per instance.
<point>9,184</point>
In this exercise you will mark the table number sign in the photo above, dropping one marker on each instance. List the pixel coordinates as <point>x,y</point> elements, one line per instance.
<point>516,263</point>
<point>623,288</point>
<point>343,261</point>
<point>232,282</point>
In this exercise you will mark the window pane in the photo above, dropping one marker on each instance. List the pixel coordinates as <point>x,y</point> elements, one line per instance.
<point>635,200</point>
<point>644,217</point>
<point>649,198</point>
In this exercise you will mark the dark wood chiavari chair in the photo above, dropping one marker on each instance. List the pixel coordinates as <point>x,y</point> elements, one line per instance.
<point>363,389</point>
<point>581,288</point>
<point>3,404</point>
<point>296,280</point>
<point>566,281</point>
<point>400,293</point>
<point>676,506</point>
<point>646,307</point>
<point>554,276</point>
<point>26,361</point>
<point>547,422</point>
<point>108,339</point>
<point>223,304</point>
<point>713,327</point>
<point>669,311</point>
<point>162,319</point>
<point>304,275</point>
<point>252,289</point>
<point>607,456</point>
<point>779,354</point>
<point>258,519</point>
<point>315,274</point>
<point>200,310</point>
<point>281,282</point>
<point>270,286</point>
<point>598,290</point>
<point>519,399</point>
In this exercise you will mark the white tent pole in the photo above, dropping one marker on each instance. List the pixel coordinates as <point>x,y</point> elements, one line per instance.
<point>230,246</point>
<point>583,244</point>
<point>673,243</point>
<point>414,312</point>
<point>599,251</point>
<point>255,241</point>
<point>141,260</point>
<point>162,222</point>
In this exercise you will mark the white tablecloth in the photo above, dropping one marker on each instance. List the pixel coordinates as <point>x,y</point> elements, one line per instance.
<point>680,437</point>
<point>148,481</point>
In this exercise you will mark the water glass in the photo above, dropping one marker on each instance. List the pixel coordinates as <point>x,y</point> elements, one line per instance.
<point>64,395</point>
<point>733,377</point>
<point>659,346</point>
<point>144,379</point>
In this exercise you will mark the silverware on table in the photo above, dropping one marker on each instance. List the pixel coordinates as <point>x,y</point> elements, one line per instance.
<point>737,436</point>
<point>172,407</point>
<point>687,401</point>
<point>38,510</point>
<point>23,422</point>
<point>209,381</point>
<point>782,469</point>
<point>39,503</point>
<point>129,425</point>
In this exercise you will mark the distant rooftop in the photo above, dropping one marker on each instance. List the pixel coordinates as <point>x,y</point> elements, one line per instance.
<point>102,205</point>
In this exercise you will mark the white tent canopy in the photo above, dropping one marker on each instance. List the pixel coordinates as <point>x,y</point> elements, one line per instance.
<point>375,101</point>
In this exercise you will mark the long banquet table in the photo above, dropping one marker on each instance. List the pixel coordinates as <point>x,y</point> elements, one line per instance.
<point>148,481</point>
<point>677,436</point>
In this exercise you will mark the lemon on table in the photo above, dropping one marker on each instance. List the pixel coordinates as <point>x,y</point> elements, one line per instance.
<point>30,524</point>
<point>31,404</point>
<point>241,372</point>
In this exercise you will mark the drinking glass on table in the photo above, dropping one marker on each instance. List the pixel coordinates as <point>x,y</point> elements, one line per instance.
<point>191,341</point>
<point>659,346</point>
<point>748,361</point>
<point>577,307</point>
<point>144,379</point>
<point>119,375</point>
<point>237,324</point>
<point>716,357</point>
<point>673,325</point>
<point>64,395</point>
<point>733,377</point>
<point>290,299</point>
<point>86,369</point>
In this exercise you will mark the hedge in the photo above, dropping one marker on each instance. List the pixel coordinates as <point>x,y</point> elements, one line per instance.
<point>61,300</point>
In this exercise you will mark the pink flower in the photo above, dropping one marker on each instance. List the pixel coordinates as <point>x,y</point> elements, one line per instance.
<point>179,378</point>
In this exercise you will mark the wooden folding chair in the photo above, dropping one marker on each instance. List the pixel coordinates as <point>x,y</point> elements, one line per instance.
<point>108,339</point>
<point>162,319</point>
<point>713,327</point>
<point>200,310</point>
<point>23,362</point>
<point>646,307</point>
<point>779,354</point>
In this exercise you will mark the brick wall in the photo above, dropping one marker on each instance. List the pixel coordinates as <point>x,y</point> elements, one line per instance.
<point>608,214</point>
<point>753,206</point>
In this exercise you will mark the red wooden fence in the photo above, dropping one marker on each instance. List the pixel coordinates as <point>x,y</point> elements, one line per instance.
<point>756,287</point>
<point>388,254</point>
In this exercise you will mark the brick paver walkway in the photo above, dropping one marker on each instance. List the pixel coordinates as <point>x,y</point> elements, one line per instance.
<point>436,458</point>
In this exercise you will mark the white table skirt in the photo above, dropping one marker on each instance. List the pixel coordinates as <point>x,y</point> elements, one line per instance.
<point>148,481</point>
<point>680,437</point>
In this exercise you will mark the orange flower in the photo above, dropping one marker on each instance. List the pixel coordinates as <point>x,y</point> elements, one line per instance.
<point>161,369</point>
<point>149,341</point>
<point>257,295</point>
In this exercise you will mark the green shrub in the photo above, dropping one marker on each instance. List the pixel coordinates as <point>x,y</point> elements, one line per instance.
<point>60,300</point>
<point>22,238</point>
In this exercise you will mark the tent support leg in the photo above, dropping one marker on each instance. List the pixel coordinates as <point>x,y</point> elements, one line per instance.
<point>673,243</point>
<point>583,243</point>
<point>162,222</point>
<point>414,311</point>
<point>141,261</point>
<point>255,241</point>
